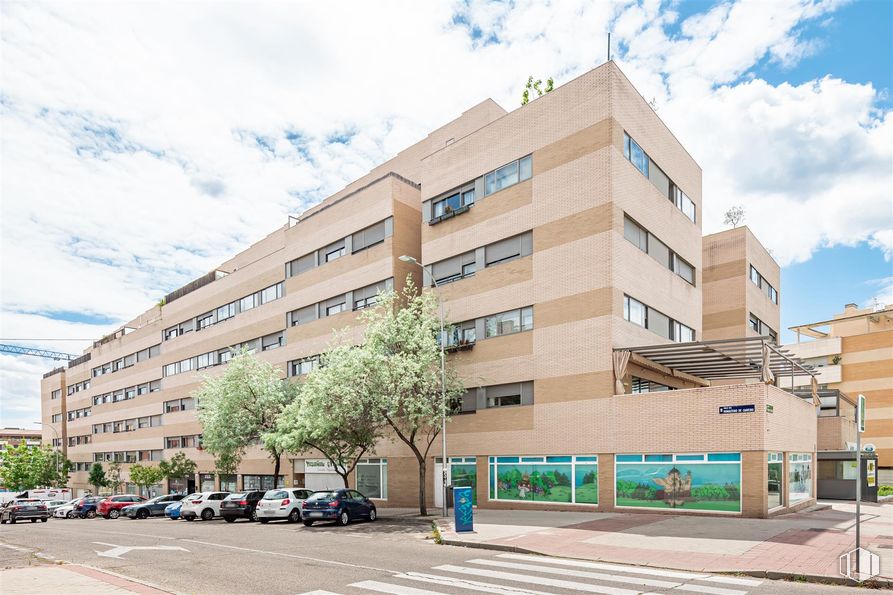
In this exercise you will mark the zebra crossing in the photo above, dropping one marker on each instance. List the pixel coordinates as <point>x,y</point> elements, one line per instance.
<point>526,574</point>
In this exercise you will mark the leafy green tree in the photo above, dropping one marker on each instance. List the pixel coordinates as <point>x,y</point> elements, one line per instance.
<point>97,477</point>
<point>15,469</point>
<point>238,407</point>
<point>400,378</point>
<point>329,413</point>
<point>27,467</point>
<point>178,467</point>
<point>535,86</point>
<point>114,479</point>
<point>145,475</point>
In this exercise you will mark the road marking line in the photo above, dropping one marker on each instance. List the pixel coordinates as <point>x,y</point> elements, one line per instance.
<point>731,580</point>
<point>395,589</point>
<point>577,573</point>
<point>17,548</point>
<point>602,566</point>
<point>536,580</point>
<point>464,583</point>
<point>318,592</point>
<point>710,590</point>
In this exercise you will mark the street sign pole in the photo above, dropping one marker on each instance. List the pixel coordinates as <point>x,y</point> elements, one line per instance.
<point>860,427</point>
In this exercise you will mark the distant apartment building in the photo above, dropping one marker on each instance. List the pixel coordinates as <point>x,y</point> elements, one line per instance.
<point>741,287</point>
<point>16,436</point>
<point>853,352</point>
<point>565,240</point>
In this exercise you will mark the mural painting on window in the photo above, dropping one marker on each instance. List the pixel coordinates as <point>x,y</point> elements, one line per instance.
<point>566,479</point>
<point>710,482</point>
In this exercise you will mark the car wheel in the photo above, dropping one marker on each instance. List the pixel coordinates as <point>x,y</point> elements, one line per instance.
<point>33,520</point>
<point>2,521</point>
<point>254,515</point>
<point>142,514</point>
<point>189,518</point>
<point>264,521</point>
<point>114,513</point>
<point>12,520</point>
<point>43,520</point>
<point>308,523</point>
<point>207,514</point>
<point>373,515</point>
<point>229,519</point>
<point>343,518</point>
<point>294,516</point>
<point>71,514</point>
<point>91,514</point>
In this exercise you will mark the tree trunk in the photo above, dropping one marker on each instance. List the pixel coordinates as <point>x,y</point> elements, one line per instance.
<point>278,458</point>
<point>423,508</point>
<point>344,476</point>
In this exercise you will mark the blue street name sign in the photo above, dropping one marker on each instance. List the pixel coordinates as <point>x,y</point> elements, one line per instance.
<point>463,509</point>
<point>737,409</point>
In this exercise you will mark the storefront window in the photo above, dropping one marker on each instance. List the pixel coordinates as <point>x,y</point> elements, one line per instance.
<point>372,478</point>
<point>572,479</point>
<point>228,483</point>
<point>776,479</point>
<point>463,473</point>
<point>206,481</point>
<point>708,481</point>
<point>261,482</point>
<point>177,486</point>
<point>799,476</point>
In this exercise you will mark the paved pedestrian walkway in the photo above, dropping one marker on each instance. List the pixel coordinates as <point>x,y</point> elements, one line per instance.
<point>802,544</point>
<point>71,579</point>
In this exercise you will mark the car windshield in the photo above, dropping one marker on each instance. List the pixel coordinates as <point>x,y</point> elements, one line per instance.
<point>323,495</point>
<point>192,496</point>
<point>235,496</point>
<point>276,495</point>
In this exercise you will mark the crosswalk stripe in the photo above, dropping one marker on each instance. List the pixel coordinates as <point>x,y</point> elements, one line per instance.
<point>535,580</point>
<point>710,590</point>
<point>578,573</point>
<point>318,592</point>
<point>602,566</point>
<point>464,583</point>
<point>731,580</point>
<point>395,589</point>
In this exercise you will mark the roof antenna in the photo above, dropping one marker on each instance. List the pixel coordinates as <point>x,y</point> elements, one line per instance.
<point>609,46</point>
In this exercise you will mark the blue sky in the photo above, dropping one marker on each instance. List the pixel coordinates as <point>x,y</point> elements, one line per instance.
<point>145,143</point>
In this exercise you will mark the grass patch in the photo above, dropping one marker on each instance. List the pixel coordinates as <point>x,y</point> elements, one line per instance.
<point>587,493</point>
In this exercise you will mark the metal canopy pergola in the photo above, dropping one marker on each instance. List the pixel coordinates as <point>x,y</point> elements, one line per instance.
<point>724,358</point>
<point>831,399</point>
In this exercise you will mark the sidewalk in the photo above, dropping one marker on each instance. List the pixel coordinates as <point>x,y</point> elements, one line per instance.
<point>803,544</point>
<point>71,579</point>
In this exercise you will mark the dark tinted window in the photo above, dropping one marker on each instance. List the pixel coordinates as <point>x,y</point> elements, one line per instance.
<point>323,496</point>
<point>238,496</point>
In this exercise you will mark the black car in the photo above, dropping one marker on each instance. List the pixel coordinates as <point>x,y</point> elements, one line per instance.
<point>24,510</point>
<point>341,505</point>
<point>153,507</point>
<point>241,505</point>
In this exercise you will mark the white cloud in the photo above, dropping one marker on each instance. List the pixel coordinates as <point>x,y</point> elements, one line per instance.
<point>144,143</point>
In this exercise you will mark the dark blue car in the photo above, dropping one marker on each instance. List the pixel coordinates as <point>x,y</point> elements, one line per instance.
<point>341,505</point>
<point>87,507</point>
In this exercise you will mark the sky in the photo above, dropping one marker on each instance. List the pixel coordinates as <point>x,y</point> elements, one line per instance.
<point>145,143</point>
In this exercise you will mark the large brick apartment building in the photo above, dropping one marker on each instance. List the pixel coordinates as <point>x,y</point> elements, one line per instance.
<point>565,240</point>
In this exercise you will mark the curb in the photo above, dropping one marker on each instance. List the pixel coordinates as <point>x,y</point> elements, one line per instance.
<point>767,574</point>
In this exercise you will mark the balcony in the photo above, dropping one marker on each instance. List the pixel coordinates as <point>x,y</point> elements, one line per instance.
<point>460,346</point>
<point>449,213</point>
<point>816,349</point>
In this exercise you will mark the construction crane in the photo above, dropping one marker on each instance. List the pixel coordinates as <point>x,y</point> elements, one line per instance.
<point>19,350</point>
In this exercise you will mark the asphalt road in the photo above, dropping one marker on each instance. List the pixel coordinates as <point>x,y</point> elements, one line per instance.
<point>392,555</point>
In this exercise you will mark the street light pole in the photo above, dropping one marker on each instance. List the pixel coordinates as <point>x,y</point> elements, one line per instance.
<point>443,418</point>
<point>55,450</point>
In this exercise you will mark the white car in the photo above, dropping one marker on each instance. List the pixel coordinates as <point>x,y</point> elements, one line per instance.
<point>203,505</point>
<point>282,503</point>
<point>66,511</point>
<point>52,505</point>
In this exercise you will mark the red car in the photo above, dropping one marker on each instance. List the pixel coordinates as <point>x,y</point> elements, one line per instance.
<point>110,508</point>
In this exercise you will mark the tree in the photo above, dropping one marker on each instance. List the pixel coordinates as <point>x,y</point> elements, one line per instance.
<point>97,477</point>
<point>27,467</point>
<point>178,467</point>
<point>401,378</point>
<point>238,407</point>
<point>535,85</point>
<point>114,479</point>
<point>734,216</point>
<point>329,414</point>
<point>144,476</point>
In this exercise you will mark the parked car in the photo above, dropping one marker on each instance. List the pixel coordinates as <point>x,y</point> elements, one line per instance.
<point>52,505</point>
<point>204,505</point>
<point>110,508</point>
<point>86,508</point>
<point>341,505</point>
<point>241,505</point>
<point>66,511</point>
<point>282,503</point>
<point>172,511</point>
<point>30,509</point>
<point>153,507</point>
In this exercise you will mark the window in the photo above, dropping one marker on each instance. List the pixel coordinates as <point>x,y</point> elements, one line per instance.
<point>642,385</point>
<point>226,311</point>
<point>303,315</point>
<point>799,476</point>
<point>248,303</point>
<point>510,322</point>
<point>274,292</point>
<point>333,251</point>
<point>504,401</point>
<point>460,334</point>
<point>636,234</point>
<point>57,418</point>
<point>56,394</point>
<point>372,235</point>
<point>206,360</point>
<point>508,395</point>
<point>773,294</point>
<point>335,305</point>
<point>303,366</point>
<point>754,323</point>
<point>173,442</point>
<point>762,328</point>
<point>635,154</point>
<point>502,251</point>
<point>508,175</point>
<point>372,478</point>
<point>634,311</point>
<point>683,269</point>
<point>224,355</point>
<point>456,201</point>
<point>454,268</point>
<point>185,404</point>
<point>368,296</point>
<point>682,202</point>
<point>775,461</point>
<point>682,333</point>
<point>642,162</point>
<point>272,341</point>
<point>300,265</point>
<point>755,276</point>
